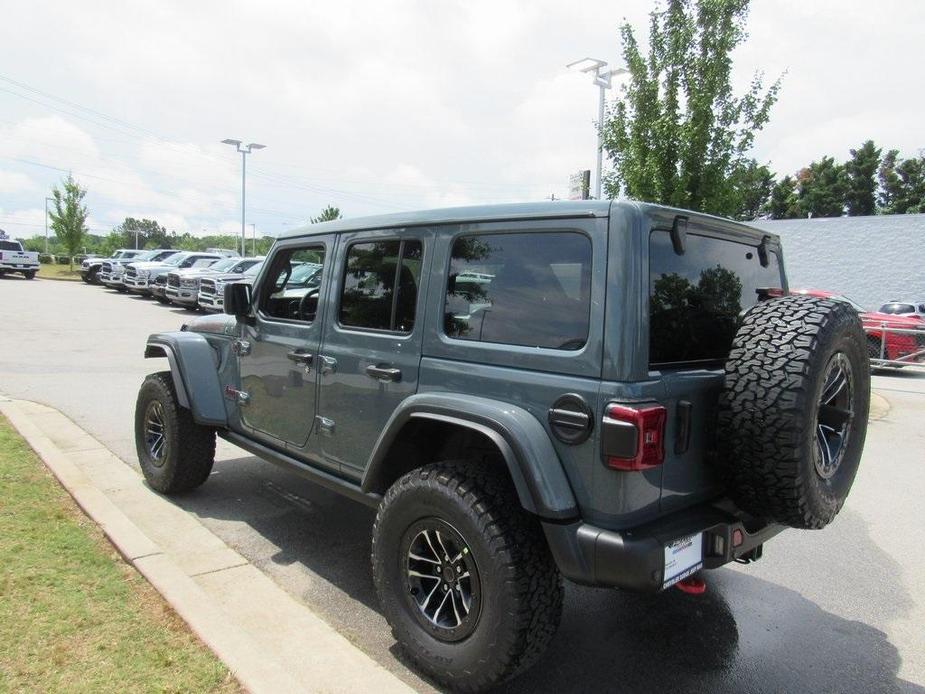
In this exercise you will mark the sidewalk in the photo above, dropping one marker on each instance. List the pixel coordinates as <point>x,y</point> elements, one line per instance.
<point>268,640</point>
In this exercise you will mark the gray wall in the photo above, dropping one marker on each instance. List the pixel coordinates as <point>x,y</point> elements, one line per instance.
<point>869,259</point>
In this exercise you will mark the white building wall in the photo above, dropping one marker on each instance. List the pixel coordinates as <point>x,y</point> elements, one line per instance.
<point>869,259</point>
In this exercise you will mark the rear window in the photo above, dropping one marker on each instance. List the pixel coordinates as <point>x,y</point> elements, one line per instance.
<point>9,246</point>
<point>529,289</point>
<point>695,299</point>
<point>897,309</point>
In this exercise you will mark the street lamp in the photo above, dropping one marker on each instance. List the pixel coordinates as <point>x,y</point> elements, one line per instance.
<point>602,77</point>
<point>46,223</point>
<point>244,150</point>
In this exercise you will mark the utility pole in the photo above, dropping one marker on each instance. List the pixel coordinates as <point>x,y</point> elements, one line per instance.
<point>603,78</point>
<point>244,150</point>
<point>46,223</point>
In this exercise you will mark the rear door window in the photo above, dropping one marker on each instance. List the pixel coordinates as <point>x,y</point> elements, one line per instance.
<point>696,298</point>
<point>528,289</point>
<point>380,288</point>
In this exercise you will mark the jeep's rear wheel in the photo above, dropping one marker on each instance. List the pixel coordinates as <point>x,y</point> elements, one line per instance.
<point>174,452</point>
<point>464,575</point>
<point>793,414</point>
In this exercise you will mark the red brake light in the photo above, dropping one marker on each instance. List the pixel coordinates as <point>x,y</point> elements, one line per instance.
<point>633,438</point>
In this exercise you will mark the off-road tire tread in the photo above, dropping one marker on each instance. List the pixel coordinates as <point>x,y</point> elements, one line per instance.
<point>762,420</point>
<point>196,452</point>
<point>518,545</point>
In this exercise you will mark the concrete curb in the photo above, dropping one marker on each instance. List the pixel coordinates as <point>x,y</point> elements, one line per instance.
<point>268,640</point>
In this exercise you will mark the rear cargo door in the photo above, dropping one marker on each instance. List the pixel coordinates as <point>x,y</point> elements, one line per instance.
<point>700,283</point>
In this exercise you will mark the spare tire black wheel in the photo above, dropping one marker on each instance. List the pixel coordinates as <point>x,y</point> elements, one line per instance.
<point>793,412</point>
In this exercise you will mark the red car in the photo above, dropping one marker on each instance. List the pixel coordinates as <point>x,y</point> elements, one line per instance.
<point>880,344</point>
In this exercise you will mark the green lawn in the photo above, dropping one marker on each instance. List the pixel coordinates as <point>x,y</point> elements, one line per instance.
<point>49,271</point>
<point>73,616</point>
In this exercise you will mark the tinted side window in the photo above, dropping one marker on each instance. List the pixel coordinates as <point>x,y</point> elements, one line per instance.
<point>292,285</point>
<point>695,299</point>
<point>529,289</point>
<point>381,285</point>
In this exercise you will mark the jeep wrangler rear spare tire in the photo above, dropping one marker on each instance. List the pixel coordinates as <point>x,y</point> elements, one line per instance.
<point>174,452</point>
<point>793,412</point>
<point>464,575</point>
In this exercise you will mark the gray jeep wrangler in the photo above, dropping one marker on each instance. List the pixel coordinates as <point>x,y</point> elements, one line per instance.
<point>619,394</point>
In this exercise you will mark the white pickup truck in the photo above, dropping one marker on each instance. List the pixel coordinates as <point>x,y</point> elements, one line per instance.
<point>14,259</point>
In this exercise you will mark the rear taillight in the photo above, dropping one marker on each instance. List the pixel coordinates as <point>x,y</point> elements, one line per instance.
<point>633,438</point>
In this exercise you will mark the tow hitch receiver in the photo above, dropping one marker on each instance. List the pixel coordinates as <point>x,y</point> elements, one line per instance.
<point>692,585</point>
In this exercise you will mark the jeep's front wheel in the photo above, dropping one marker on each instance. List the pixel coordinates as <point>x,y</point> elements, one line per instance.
<point>464,575</point>
<point>174,452</point>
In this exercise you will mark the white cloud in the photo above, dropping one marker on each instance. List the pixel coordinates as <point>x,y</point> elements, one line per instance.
<point>392,105</point>
<point>15,182</point>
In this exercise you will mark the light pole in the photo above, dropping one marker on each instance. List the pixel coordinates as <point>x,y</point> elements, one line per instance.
<point>46,223</point>
<point>244,150</point>
<point>603,78</point>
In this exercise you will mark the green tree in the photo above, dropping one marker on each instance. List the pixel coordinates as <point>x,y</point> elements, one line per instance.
<point>822,188</point>
<point>679,134</point>
<point>328,214</point>
<point>69,216</point>
<point>861,180</point>
<point>784,203</point>
<point>150,234</point>
<point>750,187</point>
<point>902,184</point>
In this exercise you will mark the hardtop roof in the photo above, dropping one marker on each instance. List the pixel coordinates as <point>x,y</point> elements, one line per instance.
<point>511,212</point>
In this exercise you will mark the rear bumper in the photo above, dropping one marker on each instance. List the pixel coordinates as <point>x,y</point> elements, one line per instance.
<point>634,558</point>
<point>19,267</point>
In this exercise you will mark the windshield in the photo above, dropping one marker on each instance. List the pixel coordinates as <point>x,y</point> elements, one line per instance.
<point>147,255</point>
<point>175,260</point>
<point>253,270</point>
<point>896,308</point>
<point>305,275</point>
<point>222,265</point>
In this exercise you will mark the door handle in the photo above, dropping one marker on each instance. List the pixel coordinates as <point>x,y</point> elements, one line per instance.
<point>383,373</point>
<point>300,357</point>
<point>328,365</point>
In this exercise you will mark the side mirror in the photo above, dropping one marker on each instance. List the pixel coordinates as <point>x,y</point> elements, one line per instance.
<point>238,299</point>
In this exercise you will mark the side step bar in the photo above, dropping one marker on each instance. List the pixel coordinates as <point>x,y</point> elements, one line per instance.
<point>320,477</point>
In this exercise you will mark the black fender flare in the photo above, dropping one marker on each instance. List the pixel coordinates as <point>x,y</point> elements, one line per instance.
<point>194,369</point>
<point>528,453</point>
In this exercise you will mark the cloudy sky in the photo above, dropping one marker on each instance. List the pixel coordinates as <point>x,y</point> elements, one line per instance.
<point>383,106</point>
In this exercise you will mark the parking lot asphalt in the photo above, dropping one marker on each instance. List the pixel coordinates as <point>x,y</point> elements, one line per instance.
<point>838,610</point>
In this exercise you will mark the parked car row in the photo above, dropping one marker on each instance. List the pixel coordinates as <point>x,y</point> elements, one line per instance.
<point>192,279</point>
<point>895,332</point>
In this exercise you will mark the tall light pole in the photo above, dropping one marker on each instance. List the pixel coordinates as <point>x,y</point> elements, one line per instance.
<point>603,78</point>
<point>244,150</point>
<point>46,223</point>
